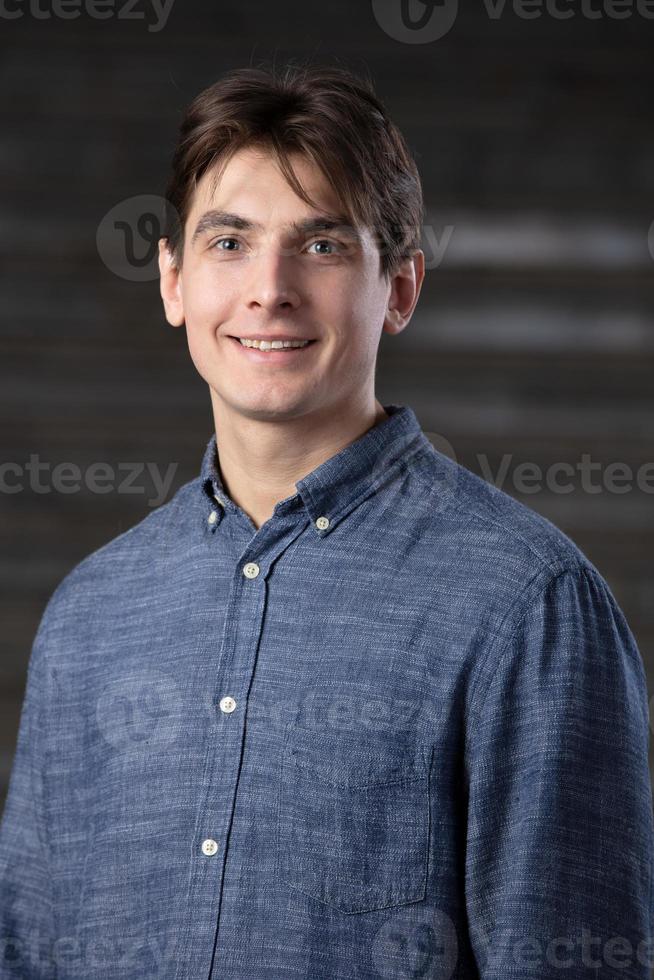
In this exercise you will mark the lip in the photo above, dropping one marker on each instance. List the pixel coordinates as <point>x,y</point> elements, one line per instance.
<point>268,336</point>
<point>273,356</point>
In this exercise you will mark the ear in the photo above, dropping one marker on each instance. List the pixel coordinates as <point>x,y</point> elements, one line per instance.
<point>170,285</point>
<point>405,290</point>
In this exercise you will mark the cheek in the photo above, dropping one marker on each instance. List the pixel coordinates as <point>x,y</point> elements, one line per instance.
<point>205,309</point>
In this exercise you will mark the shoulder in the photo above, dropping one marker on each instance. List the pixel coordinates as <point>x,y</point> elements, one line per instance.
<point>120,560</point>
<point>488,529</point>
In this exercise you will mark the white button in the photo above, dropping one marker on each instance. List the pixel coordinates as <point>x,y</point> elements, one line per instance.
<point>209,846</point>
<point>227,705</point>
<point>251,570</point>
<point>322,523</point>
<point>213,517</point>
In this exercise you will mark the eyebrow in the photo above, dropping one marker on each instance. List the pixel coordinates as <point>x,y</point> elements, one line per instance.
<point>217,219</point>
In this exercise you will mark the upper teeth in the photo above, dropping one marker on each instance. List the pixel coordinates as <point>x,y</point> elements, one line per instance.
<point>274,344</point>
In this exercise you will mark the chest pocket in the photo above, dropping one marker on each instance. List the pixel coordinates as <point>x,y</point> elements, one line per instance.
<point>353,819</point>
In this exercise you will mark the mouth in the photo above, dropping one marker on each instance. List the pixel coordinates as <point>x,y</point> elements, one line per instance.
<point>274,355</point>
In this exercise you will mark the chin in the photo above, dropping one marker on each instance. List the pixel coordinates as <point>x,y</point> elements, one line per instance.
<point>267,408</point>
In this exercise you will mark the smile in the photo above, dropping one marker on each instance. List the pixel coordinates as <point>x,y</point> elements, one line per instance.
<point>276,351</point>
<point>273,344</point>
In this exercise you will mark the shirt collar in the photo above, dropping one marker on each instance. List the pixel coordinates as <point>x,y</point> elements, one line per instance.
<point>338,484</point>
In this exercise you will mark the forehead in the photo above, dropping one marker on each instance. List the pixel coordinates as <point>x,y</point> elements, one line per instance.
<point>252,175</point>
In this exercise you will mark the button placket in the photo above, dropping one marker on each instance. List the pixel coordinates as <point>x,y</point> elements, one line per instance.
<point>235,661</point>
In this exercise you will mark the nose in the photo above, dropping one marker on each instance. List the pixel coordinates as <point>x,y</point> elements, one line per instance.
<point>270,283</point>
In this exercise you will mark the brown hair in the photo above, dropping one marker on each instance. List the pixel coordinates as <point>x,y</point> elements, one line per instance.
<point>329,115</point>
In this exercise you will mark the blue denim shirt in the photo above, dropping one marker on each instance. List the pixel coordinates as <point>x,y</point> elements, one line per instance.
<point>400,730</point>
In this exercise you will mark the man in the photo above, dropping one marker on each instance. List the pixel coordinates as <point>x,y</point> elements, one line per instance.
<point>340,708</point>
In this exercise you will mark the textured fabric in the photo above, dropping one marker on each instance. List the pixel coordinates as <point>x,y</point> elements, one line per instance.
<point>400,730</point>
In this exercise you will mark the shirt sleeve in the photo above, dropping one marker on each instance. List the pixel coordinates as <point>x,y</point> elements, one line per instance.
<point>560,836</point>
<point>26,902</point>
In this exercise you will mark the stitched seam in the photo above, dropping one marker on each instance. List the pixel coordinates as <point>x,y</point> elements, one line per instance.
<point>371,784</point>
<point>468,509</point>
<point>40,663</point>
<point>506,643</point>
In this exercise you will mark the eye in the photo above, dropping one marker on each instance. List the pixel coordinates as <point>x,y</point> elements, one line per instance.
<point>326,241</point>
<point>219,241</point>
<point>335,246</point>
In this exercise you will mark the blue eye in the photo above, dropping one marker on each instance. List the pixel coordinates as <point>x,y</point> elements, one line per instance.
<point>325,241</point>
<point>319,241</point>
<point>219,242</point>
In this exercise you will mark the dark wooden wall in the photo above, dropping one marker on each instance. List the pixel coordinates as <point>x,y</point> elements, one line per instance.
<point>534,335</point>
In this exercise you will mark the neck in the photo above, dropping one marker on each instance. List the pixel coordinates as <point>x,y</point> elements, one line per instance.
<point>261,460</point>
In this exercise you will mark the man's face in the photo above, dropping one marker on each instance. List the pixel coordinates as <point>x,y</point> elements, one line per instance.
<point>273,279</point>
